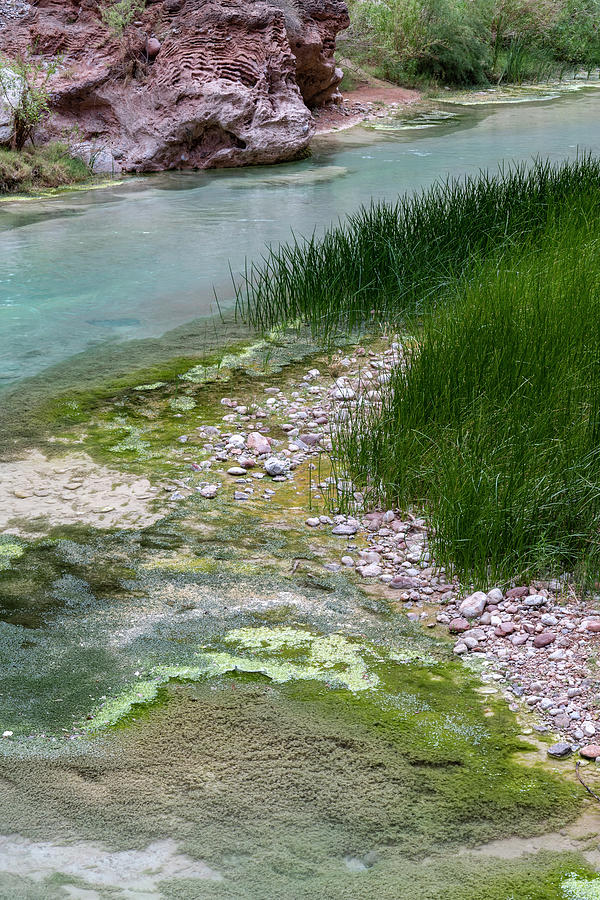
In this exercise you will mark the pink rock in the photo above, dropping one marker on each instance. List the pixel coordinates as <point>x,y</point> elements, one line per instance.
<point>542,640</point>
<point>153,46</point>
<point>593,625</point>
<point>517,592</point>
<point>184,117</point>
<point>590,751</point>
<point>457,626</point>
<point>258,442</point>
<point>504,629</point>
<point>518,639</point>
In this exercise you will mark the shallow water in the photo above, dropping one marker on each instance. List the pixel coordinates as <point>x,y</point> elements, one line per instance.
<point>81,271</point>
<point>191,704</point>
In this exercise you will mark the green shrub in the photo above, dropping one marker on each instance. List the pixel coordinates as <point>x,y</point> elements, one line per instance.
<point>31,105</point>
<point>472,41</point>
<point>575,35</point>
<point>119,14</point>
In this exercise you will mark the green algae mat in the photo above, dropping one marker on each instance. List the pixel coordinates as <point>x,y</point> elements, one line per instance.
<point>188,715</point>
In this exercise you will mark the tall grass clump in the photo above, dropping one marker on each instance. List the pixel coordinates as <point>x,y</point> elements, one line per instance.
<point>37,168</point>
<point>390,261</point>
<point>493,426</point>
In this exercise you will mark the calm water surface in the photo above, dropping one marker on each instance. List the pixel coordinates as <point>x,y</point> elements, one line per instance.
<point>136,260</point>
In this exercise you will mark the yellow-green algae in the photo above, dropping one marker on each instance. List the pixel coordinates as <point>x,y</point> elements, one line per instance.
<point>298,790</point>
<point>333,766</point>
<point>576,888</point>
<point>281,654</point>
<point>8,552</point>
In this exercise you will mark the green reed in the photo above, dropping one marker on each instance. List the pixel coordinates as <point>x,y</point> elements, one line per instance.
<point>388,261</point>
<point>494,425</point>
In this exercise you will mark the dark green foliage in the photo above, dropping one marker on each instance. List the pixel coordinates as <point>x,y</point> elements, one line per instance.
<point>462,42</point>
<point>495,424</point>
<point>392,260</point>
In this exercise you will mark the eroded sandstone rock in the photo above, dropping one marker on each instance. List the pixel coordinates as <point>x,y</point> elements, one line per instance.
<point>191,83</point>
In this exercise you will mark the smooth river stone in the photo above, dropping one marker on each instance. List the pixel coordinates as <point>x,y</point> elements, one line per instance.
<point>590,751</point>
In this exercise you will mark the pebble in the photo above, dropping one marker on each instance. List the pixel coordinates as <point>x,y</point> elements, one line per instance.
<point>535,600</point>
<point>236,470</point>
<point>371,570</point>
<point>590,751</point>
<point>258,442</point>
<point>344,529</point>
<point>209,491</point>
<point>473,605</point>
<point>560,750</point>
<point>456,626</point>
<point>343,393</point>
<point>276,467</point>
<point>504,629</point>
<point>313,522</point>
<point>542,640</point>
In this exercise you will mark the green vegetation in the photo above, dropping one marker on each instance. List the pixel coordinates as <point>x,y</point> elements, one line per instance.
<point>464,42</point>
<point>389,261</point>
<point>119,14</point>
<point>25,89</point>
<point>34,169</point>
<point>494,425</point>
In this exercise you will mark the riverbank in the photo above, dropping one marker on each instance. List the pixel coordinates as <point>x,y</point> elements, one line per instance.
<point>364,102</point>
<point>39,169</point>
<point>223,612</point>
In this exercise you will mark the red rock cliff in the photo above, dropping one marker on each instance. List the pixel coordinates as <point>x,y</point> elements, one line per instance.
<point>191,83</point>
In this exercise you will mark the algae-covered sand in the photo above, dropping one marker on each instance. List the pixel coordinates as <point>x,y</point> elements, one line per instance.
<point>194,706</point>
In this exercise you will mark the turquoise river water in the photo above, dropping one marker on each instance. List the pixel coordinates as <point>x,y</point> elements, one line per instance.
<point>197,701</point>
<point>82,271</point>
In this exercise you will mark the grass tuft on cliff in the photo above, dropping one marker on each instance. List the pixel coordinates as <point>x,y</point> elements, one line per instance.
<point>38,168</point>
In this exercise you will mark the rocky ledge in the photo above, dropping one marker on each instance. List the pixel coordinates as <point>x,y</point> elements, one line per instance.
<point>189,84</point>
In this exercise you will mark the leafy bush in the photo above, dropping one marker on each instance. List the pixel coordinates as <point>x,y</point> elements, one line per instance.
<point>472,41</point>
<point>119,14</point>
<point>575,35</point>
<point>415,40</point>
<point>31,104</point>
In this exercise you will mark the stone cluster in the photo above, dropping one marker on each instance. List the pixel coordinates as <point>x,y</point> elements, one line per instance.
<point>538,639</point>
